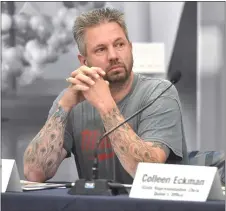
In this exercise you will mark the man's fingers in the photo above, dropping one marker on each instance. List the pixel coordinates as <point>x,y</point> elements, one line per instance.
<point>77,85</point>
<point>79,70</point>
<point>80,87</point>
<point>94,72</point>
<point>71,80</point>
<point>79,79</point>
<point>85,71</point>
<point>98,70</point>
<point>107,83</point>
<point>85,79</point>
<point>74,73</point>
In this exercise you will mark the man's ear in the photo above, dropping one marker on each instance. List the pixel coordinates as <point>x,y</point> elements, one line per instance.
<point>82,60</point>
<point>131,45</point>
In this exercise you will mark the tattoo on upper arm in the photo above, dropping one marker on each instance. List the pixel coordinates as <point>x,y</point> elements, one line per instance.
<point>45,151</point>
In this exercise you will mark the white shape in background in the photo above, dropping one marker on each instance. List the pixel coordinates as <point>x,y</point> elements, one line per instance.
<point>10,176</point>
<point>210,48</point>
<point>6,22</point>
<point>149,58</point>
<point>30,74</point>
<point>30,8</point>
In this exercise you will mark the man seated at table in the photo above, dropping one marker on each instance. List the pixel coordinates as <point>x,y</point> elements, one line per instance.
<point>102,92</point>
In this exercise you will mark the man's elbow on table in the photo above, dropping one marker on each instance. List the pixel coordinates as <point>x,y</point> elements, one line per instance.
<point>34,175</point>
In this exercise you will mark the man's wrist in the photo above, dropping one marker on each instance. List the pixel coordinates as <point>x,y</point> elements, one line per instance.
<point>64,106</point>
<point>68,100</point>
<point>107,107</point>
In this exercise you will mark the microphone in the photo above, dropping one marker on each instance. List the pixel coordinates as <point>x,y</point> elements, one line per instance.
<point>96,186</point>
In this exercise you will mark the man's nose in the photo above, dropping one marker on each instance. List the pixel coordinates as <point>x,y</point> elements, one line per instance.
<point>112,54</point>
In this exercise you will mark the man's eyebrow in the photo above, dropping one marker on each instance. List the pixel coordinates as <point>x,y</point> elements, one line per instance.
<point>118,39</point>
<point>99,45</point>
<point>102,45</point>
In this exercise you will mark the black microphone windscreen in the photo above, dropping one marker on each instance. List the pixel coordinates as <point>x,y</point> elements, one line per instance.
<point>175,77</point>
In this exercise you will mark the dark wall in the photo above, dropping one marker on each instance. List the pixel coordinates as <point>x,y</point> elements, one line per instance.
<point>184,58</point>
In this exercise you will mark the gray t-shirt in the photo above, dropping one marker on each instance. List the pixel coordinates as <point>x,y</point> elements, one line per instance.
<point>160,122</point>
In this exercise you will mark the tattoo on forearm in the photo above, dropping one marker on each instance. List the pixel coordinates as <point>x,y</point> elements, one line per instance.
<point>45,151</point>
<point>127,145</point>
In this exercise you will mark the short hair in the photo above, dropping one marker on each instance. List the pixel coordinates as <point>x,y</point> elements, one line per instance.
<point>94,18</point>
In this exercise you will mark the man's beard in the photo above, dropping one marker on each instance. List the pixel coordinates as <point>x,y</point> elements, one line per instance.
<point>118,77</point>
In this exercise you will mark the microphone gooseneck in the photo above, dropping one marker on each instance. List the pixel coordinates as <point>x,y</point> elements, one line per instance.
<point>95,168</point>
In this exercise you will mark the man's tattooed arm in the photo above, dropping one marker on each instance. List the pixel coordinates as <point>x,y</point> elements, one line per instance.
<point>128,146</point>
<point>45,152</point>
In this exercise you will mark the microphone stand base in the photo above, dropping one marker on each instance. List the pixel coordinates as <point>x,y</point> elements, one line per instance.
<point>92,187</point>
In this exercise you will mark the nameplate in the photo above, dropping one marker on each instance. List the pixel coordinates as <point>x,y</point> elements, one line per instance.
<point>176,182</point>
<point>10,176</point>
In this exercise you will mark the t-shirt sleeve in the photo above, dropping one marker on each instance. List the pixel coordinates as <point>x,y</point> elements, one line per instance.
<point>68,135</point>
<point>162,122</point>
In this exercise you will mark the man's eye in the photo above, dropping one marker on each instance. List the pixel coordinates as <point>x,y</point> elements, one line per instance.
<point>100,50</point>
<point>120,44</point>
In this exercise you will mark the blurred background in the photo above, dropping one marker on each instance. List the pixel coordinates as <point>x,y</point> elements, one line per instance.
<point>38,52</point>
